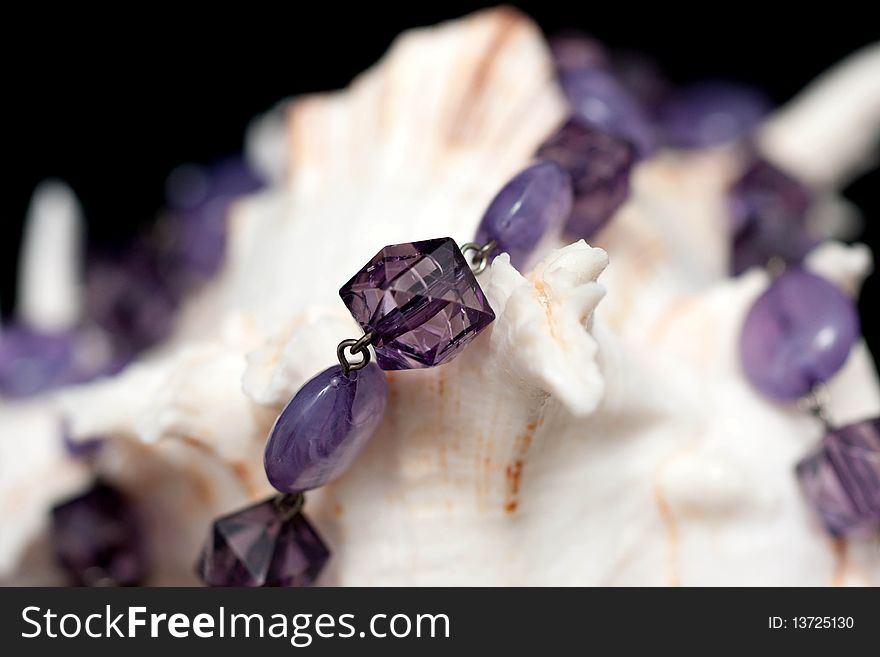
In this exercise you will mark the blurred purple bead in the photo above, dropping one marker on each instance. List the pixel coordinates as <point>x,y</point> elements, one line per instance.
<point>599,165</point>
<point>533,206</point>
<point>598,98</point>
<point>642,78</point>
<point>200,198</point>
<point>32,362</point>
<point>268,544</point>
<point>841,480</point>
<point>574,50</point>
<point>97,540</point>
<point>711,113</point>
<point>797,334</point>
<point>324,427</point>
<point>422,302</point>
<point>128,297</point>
<point>768,210</point>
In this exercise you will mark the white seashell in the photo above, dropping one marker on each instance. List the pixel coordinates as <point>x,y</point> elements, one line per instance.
<point>599,433</point>
<point>49,296</point>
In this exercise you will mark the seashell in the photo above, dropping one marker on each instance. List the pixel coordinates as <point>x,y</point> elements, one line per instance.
<point>600,433</point>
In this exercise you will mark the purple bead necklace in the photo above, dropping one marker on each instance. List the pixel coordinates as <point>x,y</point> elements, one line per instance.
<point>797,335</point>
<point>419,305</point>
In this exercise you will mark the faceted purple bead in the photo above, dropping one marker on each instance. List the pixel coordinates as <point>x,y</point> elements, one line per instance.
<point>532,207</point>
<point>841,480</point>
<point>129,298</point>
<point>32,361</point>
<point>797,334</point>
<point>598,98</point>
<point>268,544</point>
<point>768,210</point>
<point>324,427</point>
<point>599,165</point>
<point>97,539</point>
<point>711,113</point>
<point>421,301</point>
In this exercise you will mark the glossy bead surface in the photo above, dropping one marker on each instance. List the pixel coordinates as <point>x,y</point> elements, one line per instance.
<point>711,113</point>
<point>599,165</point>
<point>421,301</point>
<point>268,544</point>
<point>841,480</point>
<point>532,207</point>
<point>598,98</point>
<point>324,427</point>
<point>97,539</point>
<point>797,334</point>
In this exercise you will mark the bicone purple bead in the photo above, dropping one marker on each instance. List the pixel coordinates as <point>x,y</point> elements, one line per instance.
<point>97,539</point>
<point>324,427</point>
<point>599,165</point>
<point>711,113</point>
<point>841,480</point>
<point>421,302</point>
<point>598,98</point>
<point>768,211</point>
<point>268,544</point>
<point>529,209</point>
<point>797,334</point>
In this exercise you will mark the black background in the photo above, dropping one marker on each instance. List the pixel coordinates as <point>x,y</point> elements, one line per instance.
<point>111,102</point>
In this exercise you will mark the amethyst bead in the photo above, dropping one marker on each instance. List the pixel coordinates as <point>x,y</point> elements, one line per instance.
<point>97,539</point>
<point>573,50</point>
<point>421,301</point>
<point>599,165</point>
<point>841,480</point>
<point>200,199</point>
<point>597,97</point>
<point>797,334</point>
<point>268,544</point>
<point>643,79</point>
<point>32,362</point>
<point>532,207</point>
<point>131,300</point>
<point>768,210</point>
<point>711,113</point>
<point>324,427</point>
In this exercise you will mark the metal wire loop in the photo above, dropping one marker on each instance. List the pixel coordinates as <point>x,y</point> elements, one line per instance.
<point>815,403</point>
<point>481,255</point>
<point>354,347</point>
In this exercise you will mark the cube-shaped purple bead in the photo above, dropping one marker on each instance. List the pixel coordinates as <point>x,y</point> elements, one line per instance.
<point>421,301</point>
<point>97,539</point>
<point>268,544</point>
<point>841,480</point>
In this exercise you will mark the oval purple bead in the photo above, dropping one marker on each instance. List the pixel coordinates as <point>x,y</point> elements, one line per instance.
<point>597,97</point>
<point>324,427</point>
<point>533,206</point>
<point>797,334</point>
